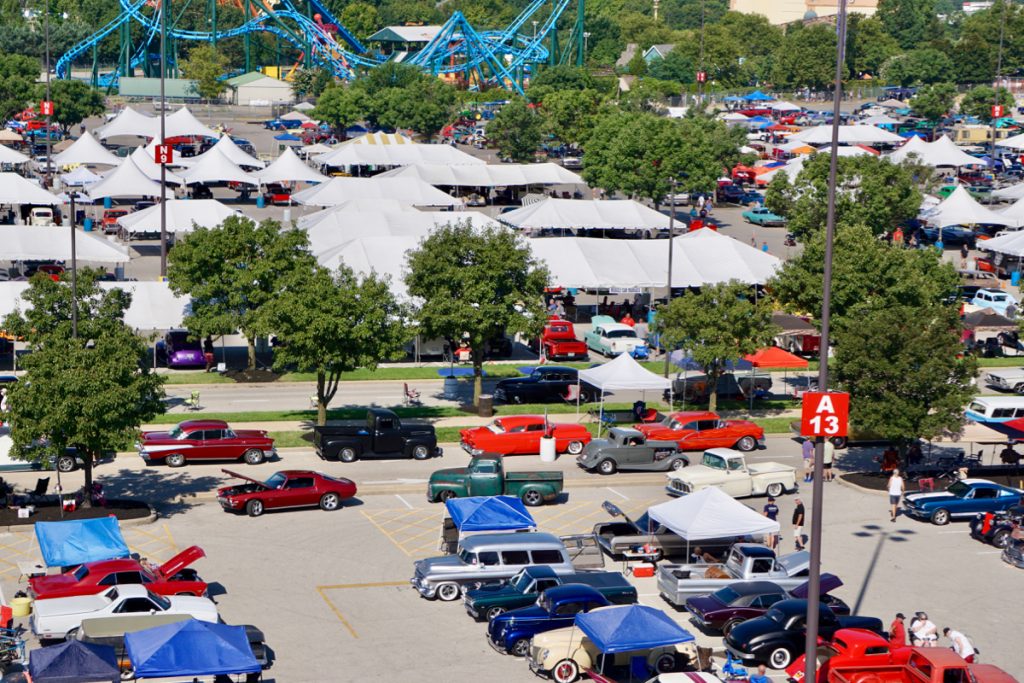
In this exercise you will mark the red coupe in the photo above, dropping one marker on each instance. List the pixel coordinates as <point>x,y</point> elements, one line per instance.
<point>520,435</point>
<point>205,440</point>
<point>173,577</point>
<point>285,489</point>
<point>698,430</point>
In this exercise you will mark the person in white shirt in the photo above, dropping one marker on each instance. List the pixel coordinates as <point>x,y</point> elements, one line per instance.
<point>896,488</point>
<point>961,644</point>
<point>925,633</point>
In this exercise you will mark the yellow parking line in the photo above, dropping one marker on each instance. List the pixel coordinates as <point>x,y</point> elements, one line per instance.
<point>341,586</point>
<point>386,533</point>
<point>170,539</point>
<point>337,613</point>
<point>569,509</point>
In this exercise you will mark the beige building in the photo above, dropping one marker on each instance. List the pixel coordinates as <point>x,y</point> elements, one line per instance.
<point>785,11</point>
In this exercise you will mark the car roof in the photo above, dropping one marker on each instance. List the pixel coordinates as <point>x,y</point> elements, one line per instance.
<point>298,473</point>
<point>132,590</point>
<point>515,420</point>
<point>693,414</point>
<point>791,606</point>
<point>616,326</point>
<point>199,424</point>
<point>554,368</point>
<point>724,452</point>
<point>573,590</point>
<point>511,540</point>
<point>755,550</point>
<point>123,564</point>
<point>756,587</point>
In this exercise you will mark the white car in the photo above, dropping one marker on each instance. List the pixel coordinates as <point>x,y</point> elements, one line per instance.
<point>728,470</point>
<point>610,338</point>
<point>58,618</point>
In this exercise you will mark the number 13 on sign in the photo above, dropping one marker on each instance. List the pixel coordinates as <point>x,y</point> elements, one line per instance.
<point>825,414</point>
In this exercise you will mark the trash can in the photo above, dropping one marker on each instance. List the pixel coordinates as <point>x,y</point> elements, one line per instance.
<point>259,201</point>
<point>107,202</point>
<point>547,449</point>
<point>485,405</point>
<point>451,388</point>
<point>1015,278</point>
<point>21,607</point>
<point>87,225</point>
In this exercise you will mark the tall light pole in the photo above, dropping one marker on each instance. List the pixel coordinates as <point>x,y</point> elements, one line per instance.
<point>46,30</point>
<point>818,490</point>
<point>586,37</point>
<point>999,69</point>
<point>672,184</point>
<point>163,138</point>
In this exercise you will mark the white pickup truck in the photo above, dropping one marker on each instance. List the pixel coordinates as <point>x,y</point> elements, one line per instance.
<point>1006,379</point>
<point>728,470</point>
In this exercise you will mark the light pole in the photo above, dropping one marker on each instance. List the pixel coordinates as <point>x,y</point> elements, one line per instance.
<point>672,184</point>
<point>46,30</point>
<point>163,139</point>
<point>586,37</point>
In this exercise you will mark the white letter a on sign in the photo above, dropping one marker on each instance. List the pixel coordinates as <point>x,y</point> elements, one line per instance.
<point>825,405</point>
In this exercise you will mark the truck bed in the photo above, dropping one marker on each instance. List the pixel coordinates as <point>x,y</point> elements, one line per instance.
<point>882,673</point>
<point>768,468</point>
<point>535,476</point>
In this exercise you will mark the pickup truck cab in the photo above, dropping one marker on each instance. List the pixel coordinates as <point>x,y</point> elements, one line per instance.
<point>559,341</point>
<point>728,470</point>
<point>380,435</point>
<point>486,476</point>
<point>746,562</point>
<point>510,633</point>
<point>1006,379</point>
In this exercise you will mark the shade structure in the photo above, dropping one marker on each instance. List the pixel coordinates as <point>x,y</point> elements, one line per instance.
<point>942,152</point>
<point>758,96</point>
<point>190,648</point>
<point>584,214</point>
<point>1012,142</point>
<point>129,122</point>
<point>792,324</point>
<point>682,359</point>
<point>384,256</point>
<point>589,263</point>
<point>153,307</point>
<point>228,148</point>
<point>217,167</point>
<point>914,145</point>
<point>1015,212</point>
<point>1011,244</point>
<point>630,628</point>
<point>880,120</point>
<point>143,158</point>
<point>846,150</point>
<point>184,123</point>
<point>1011,193</point>
<point>411,191</point>
<point>791,169</point>
<point>289,168</point>
<point>355,205</point>
<point>893,103</point>
<point>87,150</point>
<point>304,106</point>
<point>705,257</point>
<point>333,228</point>
<point>784,106</point>
<point>489,513</point>
<point>960,208</point>
<point>383,149</point>
<point>711,513</point>
<point>15,189</point>
<point>774,357</point>
<point>623,373</point>
<point>73,542</point>
<point>47,243</point>
<point>848,135</point>
<point>127,180</point>
<point>80,176</point>
<point>488,175</point>
<point>182,216</point>
<point>314,149</point>
<point>74,661</point>
<point>12,156</point>
<point>8,135</point>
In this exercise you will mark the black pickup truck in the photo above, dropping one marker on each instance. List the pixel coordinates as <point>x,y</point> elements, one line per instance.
<point>380,435</point>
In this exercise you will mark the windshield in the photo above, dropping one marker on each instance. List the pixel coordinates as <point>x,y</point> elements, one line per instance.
<point>621,334</point>
<point>467,557</point>
<point>544,602</point>
<point>176,432</point>
<point>521,582</point>
<point>276,481</point>
<point>959,489</point>
<point>726,595</point>
<point>161,601</point>
<point>713,461</point>
<point>675,424</point>
<point>496,428</point>
<point>977,407</point>
<point>81,573</point>
<point>776,616</point>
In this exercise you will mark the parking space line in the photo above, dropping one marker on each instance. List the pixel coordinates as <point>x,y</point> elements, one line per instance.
<point>404,502</point>
<point>387,533</point>
<point>621,495</point>
<point>322,590</point>
<point>337,613</point>
<point>170,538</point>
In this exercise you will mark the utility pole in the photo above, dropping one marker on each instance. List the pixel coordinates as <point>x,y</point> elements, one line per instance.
<point>999,71</point>
<point>672,184</point>
<point>163,138</point>
<point>703,74</point>
<point>46,23</point>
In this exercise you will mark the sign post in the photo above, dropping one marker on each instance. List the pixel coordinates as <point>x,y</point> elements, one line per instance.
<point>163,154</point>
<point>997,111</point>
<point>825,414</point>
<point>46,108</point>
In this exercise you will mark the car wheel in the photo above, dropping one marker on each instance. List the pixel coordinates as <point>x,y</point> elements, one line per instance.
<point>1001,538</point>
<point>532,498</point>
<point>446,494</point>
<point>839,441</point>
<point>607,466</point>
<point>520,648</point>
<point>575,447</point>
<point>448,591</point>
<point>66,463</point>
<point>71,635</point>
<point>494,612</point>
<point>329,501</point>
<point>779,658</point>
<point>253,456</point>
<point>730,625</point>
<point>175,460</point>
<point>775,490</point>
<point>665,663</point>
<point>940,517</point>
<point>678,464</point>
<point>347,455</point>
<point>585,397</point>
<point>566,671</point>
<point>254,508</point>
<point>517,399</point>
<point>746,444</point>
<point>128,674</point>
<point>420,452</point>
<point>1019,388</point>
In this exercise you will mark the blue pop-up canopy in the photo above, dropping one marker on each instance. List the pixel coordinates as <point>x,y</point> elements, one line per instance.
<point>489,513</point>
<point>190,648</point>
<point>74,662</point>
<point>630,627</point>
<point>71,542</point>
<point>758,96</point>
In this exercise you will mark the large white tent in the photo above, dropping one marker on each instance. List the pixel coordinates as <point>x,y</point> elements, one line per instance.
<point>79,177</point>
<point>14,189</point>
<point>960,208</point>
<point>355,205</point>
<point>86,150</point>
<point>384,256</point>
<point>182,216</point>
<point>217,167</point>
<point>848,135</point>
<point>334,228</point>
<point>289,168</point>
<point>129,122</point>
<point>127,180</point>
<point>791,169</point>
<point>1011,244</point>
<point>1011,193</point>
<point>942,152</point>
<point>12,156</point>
<point>409,190</point>
<point>153,306</point>
<point>1014,212</point>
<point>1013,142</point>
<point>49,243</point>
<point>183,122</point>
<point>592,214</point>
<point>711,513</point>
<point>624,373</point>
<point>144,159</point>
<point>706,257</point>
<point>383,149</point>
<point>588,263</point>
<point>487,175</point>
<point>783,106</point>
<point>228,148</point>
<point>914,145</point>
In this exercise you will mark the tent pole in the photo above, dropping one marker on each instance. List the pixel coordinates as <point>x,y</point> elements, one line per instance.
<point>600,419</point>
<point>577,397</point>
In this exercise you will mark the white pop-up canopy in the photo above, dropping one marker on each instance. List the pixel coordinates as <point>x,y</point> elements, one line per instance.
<point>791,169</point>
<point>384,149</point>
<point>86,150</point>
<point>783,106</point>
<point>289,168</point>
<point>53,243</point>
<point>12,156</point>
<point>153,307</point>
<point>216,167</point>
<point>15,189</point>
<point>333,228</point>
<point>711,513</point>
<point>127,180</point>
<point>960,208</point>
<point>914,145</point>
<point>848,135</point>
<point>129,122</point>
<point>1011,244</point>
<point>228,148</point>
<point>588,214</point>
<point>487,175</point>
<point>412,191</point>
<point>182,216</point>
<point>183,122</point>
<point>1011,193</point>
<point>79,177</point>
<point>623,373</point>
<point>144,159</point>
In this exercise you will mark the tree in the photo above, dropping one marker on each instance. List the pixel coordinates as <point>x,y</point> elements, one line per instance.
<point>806,58</point>
<point>978,102</point>
<point>910,22</point>
<point>916,67</point>
<point>637,65</point>
<point>206,65</point>
<point>868,46</point>
<point>475,284</point>
<point>718,324</point>
<point>562,77</point>
<point>569,115</point>
<point>90,392</point>
<point>73,102</point>
<point>424,106</point>
<point>934,102</point>
<point>361,18</point>
<point>232,271</point>
<point>341,106</point>
<point>516,129</point>
<point>311,82</point>
<point>18,75</point>
<point>676,66</point>
<point>330,323</point>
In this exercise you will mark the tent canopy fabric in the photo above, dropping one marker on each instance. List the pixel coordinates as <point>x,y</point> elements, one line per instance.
<point>960,208</point>
<point>129,122</point>
<point>792,324</point>
<point>942,152</point>
<point>489,175</point>
<point>217,167</point>
<point>784,106</point>
<point>154,306</point>
<point>1011,193</point>
<point>289,168</point>
<point>711,513</point>
<point>127,180</point>
<point>190,648</point>
<point>330,229</point>
<point>774,357</point>
<point>587,214</point>
<point>623,373</point>
<point>382,149</point>
<point>15,189</point>
<point>73,542</point>
<point>74,662</point>
<point>489,513</point>
<point>86,150</point>
<point>181,123</point>
<point>11,156</point>
<point>1011,244</point>
<point>1012,142</point>
<point>848,135</point>
<point>46,243</point>
<point>1015,212</point>
<point>758,96</point>
<point>409,190</point>
<point>628,628</point>
<point>79,177</point>
<point>226,146</point>
<point>182,216</point>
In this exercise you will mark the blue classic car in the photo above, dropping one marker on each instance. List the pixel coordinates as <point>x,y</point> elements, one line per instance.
<point>963,500</point>
<point>510,633</point>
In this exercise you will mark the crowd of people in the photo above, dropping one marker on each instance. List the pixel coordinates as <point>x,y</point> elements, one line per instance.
<point>923,632</point>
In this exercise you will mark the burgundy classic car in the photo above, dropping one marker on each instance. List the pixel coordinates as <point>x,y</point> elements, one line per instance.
<point>173,577</point>
<point>285,489</point>
<point>195,440</point>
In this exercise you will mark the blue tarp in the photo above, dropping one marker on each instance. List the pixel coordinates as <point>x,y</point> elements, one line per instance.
<point>72,542</point>
<point>732,98</point>
<point>74,662</point>
<point>288,137</point>
<point>489,513</point>
<point>630,627</point>
<point>758,96</point>
<point>190,648</point>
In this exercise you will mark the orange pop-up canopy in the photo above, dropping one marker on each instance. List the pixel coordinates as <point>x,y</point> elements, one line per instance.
<point>774,357</point>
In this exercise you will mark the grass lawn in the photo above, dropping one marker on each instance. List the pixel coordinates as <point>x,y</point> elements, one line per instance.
<point>1009,362</point>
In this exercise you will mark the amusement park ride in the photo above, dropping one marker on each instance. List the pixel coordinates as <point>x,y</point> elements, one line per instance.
<point>476,58</point>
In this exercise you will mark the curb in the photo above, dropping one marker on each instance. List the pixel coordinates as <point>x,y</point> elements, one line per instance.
<point>858,487</point>
<point>30,528</point>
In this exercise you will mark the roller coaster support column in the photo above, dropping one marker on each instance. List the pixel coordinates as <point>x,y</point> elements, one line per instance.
<point>308,62</point>
<point>126,50</point>
<point>95,67</point>
<point>247,9</point>
<point>553,48</point>
<point>213,23</point>
<point>581,39</point>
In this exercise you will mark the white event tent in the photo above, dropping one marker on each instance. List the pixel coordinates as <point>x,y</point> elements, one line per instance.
<point>1014,212</point>
<point>289,168</point>
<point>334,228</point>
<point>849,135</point>
<point>153,306</point>
<point>711,513</point>
<point>960,208</point>
<point>129,122</point>
<point>127,180</point>
<point>182,216</point>
<point>384,149</point>
<point>622,373</point>
<point>1011,244</point>
<point>384,256</point>
<point>15,189</point>
<point>217,167</point>
<point>587,214</point>
<point>914,145</point>
<point>49,243</point>
<point>1011,193</point>
<point>1013,142</point>
<point>228,148</point>
<point>354,205</point>
<point>143,158</point>
<point>942,152</point>
<point>12,156</point>
<point>183,122</point>
<point>86,150</point>
<point>705,257</point>
<point>79,177</point>
<point>487,175</point>
<point>409,190</point>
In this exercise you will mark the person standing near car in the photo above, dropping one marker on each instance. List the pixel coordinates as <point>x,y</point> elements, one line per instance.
<point>896,488</point>
<point>898,632</point>
<point>828,454</point>
<point>807,449</point>
<point>798,524</point>
<point>771,511</point>
<point>961,644</point>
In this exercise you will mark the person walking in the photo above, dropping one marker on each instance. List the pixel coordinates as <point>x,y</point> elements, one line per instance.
<point>771,511</point>
<point>798,524</point>
<point>807,449</point>
<point>828,454</point>
<point>961,644</point>
<point>896,488</point>
<point>898,632</point>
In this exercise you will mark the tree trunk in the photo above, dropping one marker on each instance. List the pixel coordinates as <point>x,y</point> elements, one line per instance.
<point>713,376</point>
<point>251,347</point>
<point>478,377</point>
<point>321,398</point>
<point>87,461</point>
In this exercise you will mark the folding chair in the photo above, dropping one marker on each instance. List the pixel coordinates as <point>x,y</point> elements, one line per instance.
<point>411,396</point>
<point>192,402</point>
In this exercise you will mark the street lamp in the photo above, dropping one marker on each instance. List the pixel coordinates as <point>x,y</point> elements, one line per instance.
<point>586,37</point>
<point>672,184</point>
<point>163,139</point>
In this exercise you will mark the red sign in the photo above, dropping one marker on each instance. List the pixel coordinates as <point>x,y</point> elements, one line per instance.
<point>163,154</point>
<point>825,414</point>
<point>46,108</point>
<point>997,111</point>
<point>702,76</point>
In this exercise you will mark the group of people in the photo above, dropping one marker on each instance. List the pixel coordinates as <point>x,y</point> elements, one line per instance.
<point>771,511</point>
<point>828,455</point>
<point>924,633</point>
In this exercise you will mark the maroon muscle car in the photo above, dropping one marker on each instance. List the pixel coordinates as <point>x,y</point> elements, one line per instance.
<point>285,489</point>
<point>194,440</point>
<point>173,577</point>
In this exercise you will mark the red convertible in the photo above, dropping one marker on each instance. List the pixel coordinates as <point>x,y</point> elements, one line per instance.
<point>520,435</point>
<point>699,430</point>
<point>171,578</point>
<point>205,440</point>
<point>285,489</point>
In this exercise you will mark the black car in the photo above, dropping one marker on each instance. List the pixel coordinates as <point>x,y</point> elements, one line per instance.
<point>996,527</point>
<point>546,384</point>
<point>777,638</point>
<point>952,236</point>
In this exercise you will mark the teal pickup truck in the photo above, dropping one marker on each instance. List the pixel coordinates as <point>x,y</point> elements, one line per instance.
<point>487,477</point>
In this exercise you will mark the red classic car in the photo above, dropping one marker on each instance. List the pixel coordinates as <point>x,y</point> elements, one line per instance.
<point>205,440</point>
<point>171,578</point>
<point>285,489</point>
<point>559,341</point>
<point>520,435</point>
<point>698,430</point>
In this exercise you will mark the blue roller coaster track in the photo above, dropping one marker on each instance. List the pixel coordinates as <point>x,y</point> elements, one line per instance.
<point>480,58</point>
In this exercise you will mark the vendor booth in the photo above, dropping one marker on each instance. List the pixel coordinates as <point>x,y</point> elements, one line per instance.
<point>482,514</point>
<point>74,542</point>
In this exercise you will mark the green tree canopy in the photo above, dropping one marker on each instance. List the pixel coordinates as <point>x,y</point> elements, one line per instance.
<point>341,106</point>
<point>934,102</point>
<point>910,22</point>
<point>18,75</point>
<point>978,102</point>
<point>570,115</point>
<point>806,58</point>
<point>73,102</point>
<point>868,45</point>
<point>517,131</point>
<point>916,67</point>
<point>361,18</point>
<point>676,66</point>
<point>206,65</point>
<point>311,82</point>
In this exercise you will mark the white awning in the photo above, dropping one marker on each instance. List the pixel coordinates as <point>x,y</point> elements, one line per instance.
<point>622,374</point>
<point>710,513</point>
<point>289,168</point>
<point>53,243</point>
<point>488,175</point>
<point>960,208</point>
<point>153,306</point>
<point>216,167</point>
<point>409,190</point>
<point>129,122</point>
<point>127,180</point>
<point>182,216</point>
<point>228,148</point>
<point>381,149</point>
<point>86,150</point>
<point>15,189</point>
<point>333,228</point>
<point>1011,244</point>
<point>12,156</point>
<point>848,135</point>
<point>592,214</point>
